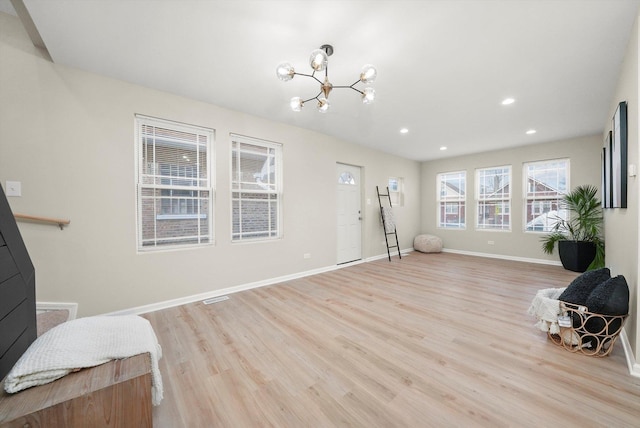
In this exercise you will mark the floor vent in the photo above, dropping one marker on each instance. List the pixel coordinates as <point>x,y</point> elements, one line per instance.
<point>215,300</point>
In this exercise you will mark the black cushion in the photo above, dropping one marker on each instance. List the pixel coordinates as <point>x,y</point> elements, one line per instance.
<point>610,298</point>
<point>580,288</point>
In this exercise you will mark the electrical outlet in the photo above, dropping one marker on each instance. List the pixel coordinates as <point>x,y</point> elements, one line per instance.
<point>490,242</point>
<point>307,255</point>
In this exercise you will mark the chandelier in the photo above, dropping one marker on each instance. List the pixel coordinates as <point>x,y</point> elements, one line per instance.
<point>319,61</point>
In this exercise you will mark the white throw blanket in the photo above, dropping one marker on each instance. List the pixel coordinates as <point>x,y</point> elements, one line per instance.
<point>86,342</point>
<point>389,221</point>
<point>546,307</point>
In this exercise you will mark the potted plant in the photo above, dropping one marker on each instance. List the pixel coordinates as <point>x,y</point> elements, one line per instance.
<point>579,238</point>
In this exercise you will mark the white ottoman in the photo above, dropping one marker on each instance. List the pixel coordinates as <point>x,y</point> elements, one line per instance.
<point>427,244</point>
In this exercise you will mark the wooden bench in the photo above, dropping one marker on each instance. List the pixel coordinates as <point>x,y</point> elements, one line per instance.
<point>114,394</point>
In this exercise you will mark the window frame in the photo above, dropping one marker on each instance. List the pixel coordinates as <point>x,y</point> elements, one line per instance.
<point>480,200</point>
<point>237,139</point>
<point>460,201</point>
<point>543,200</point>
<point>203,185</point>
<point>396,196</point>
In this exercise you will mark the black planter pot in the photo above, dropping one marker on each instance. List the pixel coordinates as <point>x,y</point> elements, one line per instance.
<point>576,255</point>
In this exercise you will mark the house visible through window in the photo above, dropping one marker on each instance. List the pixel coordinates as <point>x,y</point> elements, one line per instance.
<point>174,184</point>
<point>452,199</point>
<point>256,189</point>
<point>493,198</point>
<point>546,183</point>
<point>178,204</point>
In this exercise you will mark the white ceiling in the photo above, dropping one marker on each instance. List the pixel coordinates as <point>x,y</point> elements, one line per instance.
<point>443,66</point>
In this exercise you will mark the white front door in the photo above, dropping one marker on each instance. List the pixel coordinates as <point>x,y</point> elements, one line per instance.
<point>349,213</point>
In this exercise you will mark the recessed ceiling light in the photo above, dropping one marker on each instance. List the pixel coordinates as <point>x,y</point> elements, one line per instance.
<point>443,148</point>
<point>508,101</point>
<point>404,130</point>
<point>531,132</point>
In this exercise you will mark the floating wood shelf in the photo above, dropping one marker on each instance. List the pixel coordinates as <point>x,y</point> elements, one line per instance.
<point>59,221</point>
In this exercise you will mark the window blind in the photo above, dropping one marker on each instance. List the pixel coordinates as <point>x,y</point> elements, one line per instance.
<point>174,184</point>
<point>255,189</point>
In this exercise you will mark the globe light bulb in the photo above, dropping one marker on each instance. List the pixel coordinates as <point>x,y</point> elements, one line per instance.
<point>296,103</point>
<point>318,60</point>
<point>323,105</point>
<point>368,74</point>
<point>285,71</point>
<point>368,95</point>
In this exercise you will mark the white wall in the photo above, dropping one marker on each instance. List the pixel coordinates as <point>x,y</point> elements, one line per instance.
<point>584,155</point>
<point>68,136</point>
<point>621,225</point>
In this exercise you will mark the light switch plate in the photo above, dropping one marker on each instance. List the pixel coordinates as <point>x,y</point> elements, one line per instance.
<point>13,188</point>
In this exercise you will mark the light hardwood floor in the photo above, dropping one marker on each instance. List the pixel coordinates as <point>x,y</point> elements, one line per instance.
<point>430,340</point>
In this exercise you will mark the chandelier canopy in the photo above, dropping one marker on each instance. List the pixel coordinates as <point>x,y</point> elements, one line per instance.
<point>319,61</point>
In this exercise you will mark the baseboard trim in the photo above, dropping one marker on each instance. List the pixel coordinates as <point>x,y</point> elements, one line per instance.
<point>139,310</point>
<point>56,306</point>
<point>404,252</point>
<point>632,364</point>
<point>503,257</point>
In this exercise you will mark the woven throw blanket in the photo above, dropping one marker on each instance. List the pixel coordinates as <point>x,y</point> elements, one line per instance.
<point>389,221</point>
<point>546,307</point>
<point>86,342</point>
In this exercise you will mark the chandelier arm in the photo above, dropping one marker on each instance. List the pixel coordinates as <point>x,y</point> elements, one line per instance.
<point>309,75</point>
<point>349,87</point>
<point>313,98</point>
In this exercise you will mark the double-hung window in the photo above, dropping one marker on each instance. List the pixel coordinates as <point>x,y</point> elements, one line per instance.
<point>174,188</point>
<point>546,182</point>
<point>256,189</point>
<point>493,198</point>
<point>452,189</point>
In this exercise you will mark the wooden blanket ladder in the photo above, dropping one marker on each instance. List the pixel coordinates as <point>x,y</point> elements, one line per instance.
<point>388,222</point>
